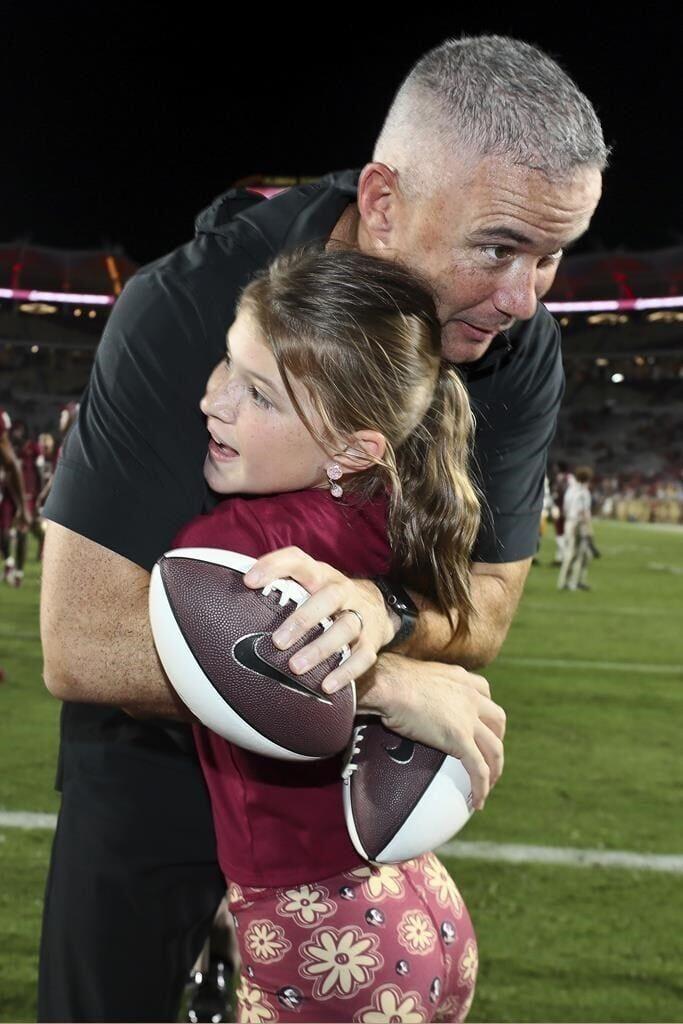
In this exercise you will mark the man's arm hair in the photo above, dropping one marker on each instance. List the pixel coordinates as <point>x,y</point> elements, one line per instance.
<point>94,625</point>
<point>496,592</point>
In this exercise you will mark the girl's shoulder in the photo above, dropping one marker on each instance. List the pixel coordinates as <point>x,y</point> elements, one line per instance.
<point>350,536</point>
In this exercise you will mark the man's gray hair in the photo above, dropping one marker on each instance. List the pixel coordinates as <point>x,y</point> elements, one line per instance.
<point>489,95</point>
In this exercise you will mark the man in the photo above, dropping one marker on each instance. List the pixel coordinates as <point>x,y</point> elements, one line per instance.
<point>578,530</point>
<point>488,165</point>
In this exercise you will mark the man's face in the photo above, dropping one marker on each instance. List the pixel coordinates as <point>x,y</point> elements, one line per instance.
<point>490,242</point>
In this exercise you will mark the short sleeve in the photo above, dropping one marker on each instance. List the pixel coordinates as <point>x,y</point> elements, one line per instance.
<point>514,433</point>
<point>130,472</point>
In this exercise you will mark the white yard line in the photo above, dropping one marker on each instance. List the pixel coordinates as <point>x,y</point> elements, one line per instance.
<point>653,527</point>
<point>27,819</point>
<point>605,609</point>
<point>644,668</point>
<point>567,856</point>
<point>510,853</point>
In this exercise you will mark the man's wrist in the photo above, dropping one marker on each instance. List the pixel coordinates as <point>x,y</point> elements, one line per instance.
<point>377,689</point>
<point>401,611</point>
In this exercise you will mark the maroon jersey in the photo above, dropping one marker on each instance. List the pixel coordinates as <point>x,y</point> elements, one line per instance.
<point>279,823</point>
<point>28,454</point>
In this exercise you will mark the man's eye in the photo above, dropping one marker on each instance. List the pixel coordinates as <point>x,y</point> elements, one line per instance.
<point>497,253</point>
<point>259,399</point>
<point>226,360</point>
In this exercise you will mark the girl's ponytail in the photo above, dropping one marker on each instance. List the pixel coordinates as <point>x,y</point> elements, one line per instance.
<point>434,512</point>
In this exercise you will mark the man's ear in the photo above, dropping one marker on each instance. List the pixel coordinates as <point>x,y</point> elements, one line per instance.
<point>363,449</point>
<point>378,200</point>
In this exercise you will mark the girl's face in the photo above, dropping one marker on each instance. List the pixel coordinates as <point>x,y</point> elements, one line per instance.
<point>257,443</point>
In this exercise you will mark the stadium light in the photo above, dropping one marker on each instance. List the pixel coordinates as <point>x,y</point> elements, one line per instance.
<point>617,378</point>
<point>26,295</point>
<point>615,305</point>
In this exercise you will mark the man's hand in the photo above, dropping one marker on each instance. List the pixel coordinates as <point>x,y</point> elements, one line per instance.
<point>442,706</point>
<point>333,596</point>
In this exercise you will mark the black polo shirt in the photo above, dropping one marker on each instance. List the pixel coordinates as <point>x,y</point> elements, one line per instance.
<point>130,474</point>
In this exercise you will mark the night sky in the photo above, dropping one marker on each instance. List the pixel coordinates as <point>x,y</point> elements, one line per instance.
<point>119,126</point>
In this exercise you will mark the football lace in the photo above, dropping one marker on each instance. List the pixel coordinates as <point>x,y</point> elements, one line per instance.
<point>357,740</point>
<point>284,589</point>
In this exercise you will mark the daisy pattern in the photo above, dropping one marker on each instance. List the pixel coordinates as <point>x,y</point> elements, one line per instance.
<point>340,961</point>
<point>236,895</point>
<point>254,1007</point>
<point>308,904</point>
<point>441,883</point>
<point>416,932</point>
<point>266,941</point>
<point>379,882</point>
<point>449,1011</point>
<point>391,1006</point>
<point>467,1005</point>
<point>468,963</point>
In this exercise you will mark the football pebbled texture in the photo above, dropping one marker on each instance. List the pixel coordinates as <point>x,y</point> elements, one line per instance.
<point>401,798</point>
<point>213,636</point>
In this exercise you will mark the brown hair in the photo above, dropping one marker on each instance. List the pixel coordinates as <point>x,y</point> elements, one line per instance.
<point>362,336</point>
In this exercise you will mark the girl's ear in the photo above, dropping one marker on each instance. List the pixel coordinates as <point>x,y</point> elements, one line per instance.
<point>363,449</point>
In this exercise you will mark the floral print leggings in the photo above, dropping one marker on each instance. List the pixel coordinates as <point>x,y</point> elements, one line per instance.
<point>389,944</point>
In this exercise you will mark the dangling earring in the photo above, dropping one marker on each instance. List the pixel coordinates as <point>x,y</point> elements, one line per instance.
<point>335,472</point>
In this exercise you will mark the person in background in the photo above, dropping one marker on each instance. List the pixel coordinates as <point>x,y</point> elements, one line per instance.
<point>13,505</point>
<point>28,453</point>
<point>578,531</point>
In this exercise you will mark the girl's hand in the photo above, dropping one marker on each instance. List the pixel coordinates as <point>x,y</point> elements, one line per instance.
<point>333,596</point>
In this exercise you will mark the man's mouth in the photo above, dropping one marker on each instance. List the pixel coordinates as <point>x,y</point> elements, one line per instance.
<point>477,333</point>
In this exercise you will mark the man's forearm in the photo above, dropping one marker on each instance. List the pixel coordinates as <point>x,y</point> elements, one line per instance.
<point>496,591</point>
<point>97,641</point>
<point>117,665</point>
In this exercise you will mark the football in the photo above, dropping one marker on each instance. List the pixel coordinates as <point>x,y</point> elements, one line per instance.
<point>213,636</point>
<point>401,798</point>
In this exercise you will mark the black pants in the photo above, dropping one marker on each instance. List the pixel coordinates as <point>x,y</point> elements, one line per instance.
<point>132,888</point>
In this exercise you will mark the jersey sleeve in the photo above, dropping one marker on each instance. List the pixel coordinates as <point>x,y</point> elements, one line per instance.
<point>130,472</point>
<point>512,453</point>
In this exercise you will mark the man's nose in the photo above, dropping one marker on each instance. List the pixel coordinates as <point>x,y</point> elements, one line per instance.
<point>517,296</point>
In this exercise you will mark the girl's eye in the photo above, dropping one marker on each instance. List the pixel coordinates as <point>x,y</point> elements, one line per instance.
<point>259,399</point>
<point>226,360</point>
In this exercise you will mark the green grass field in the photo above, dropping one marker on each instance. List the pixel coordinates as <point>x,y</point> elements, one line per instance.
<point>592,683</point>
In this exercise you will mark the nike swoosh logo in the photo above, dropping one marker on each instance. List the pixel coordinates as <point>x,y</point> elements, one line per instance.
<point>403,753</point>
<point>244,652</point>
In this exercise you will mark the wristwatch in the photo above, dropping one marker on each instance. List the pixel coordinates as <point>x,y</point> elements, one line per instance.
<point>398,601</point>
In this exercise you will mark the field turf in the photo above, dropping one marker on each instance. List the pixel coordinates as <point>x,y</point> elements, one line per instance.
<point>592,683</point>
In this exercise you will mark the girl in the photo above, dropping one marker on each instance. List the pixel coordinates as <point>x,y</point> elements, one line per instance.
<point>334,420</point>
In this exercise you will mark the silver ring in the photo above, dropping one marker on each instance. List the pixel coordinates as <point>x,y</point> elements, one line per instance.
<point>354,612</point>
